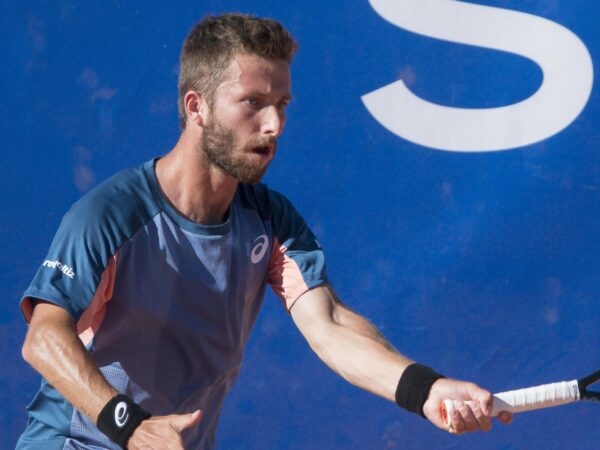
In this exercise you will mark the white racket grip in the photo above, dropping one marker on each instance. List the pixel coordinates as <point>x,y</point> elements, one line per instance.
<point>527,399</point>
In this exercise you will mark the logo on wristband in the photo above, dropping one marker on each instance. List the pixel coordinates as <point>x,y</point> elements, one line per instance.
<point>121,414</point>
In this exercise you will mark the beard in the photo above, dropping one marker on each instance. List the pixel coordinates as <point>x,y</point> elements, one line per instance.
<point>221,150</point>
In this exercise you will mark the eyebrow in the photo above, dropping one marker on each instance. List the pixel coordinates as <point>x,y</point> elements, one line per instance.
<point>257,93</point>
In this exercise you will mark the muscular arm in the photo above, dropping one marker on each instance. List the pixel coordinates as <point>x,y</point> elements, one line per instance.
<point>348,343</point>
<point>352,347</point>
<point>54,349</point>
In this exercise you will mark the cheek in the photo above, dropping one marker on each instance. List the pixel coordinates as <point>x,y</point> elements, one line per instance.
<point>248,123</point>
<point>240,118</point>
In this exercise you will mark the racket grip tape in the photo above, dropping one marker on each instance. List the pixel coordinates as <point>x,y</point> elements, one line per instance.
<point>527,399</point>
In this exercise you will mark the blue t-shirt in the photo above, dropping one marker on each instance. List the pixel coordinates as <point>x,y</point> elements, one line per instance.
<point>165,305</point>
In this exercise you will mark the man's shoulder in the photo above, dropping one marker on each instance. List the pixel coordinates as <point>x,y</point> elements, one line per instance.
<point>128,195</point>
<point>260,195</point>
<point>272,206</point>
<point>131,182</point>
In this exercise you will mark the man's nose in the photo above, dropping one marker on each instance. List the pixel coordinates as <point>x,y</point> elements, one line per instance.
<point>273,121</point>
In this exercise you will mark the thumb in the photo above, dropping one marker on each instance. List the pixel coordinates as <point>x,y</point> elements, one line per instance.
<point>485,401</point>
<point>183,421</point>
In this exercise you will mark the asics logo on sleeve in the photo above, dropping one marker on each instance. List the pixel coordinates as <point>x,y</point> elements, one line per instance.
<point>261,245</point>
<point>68,271</point>
<point>121,414</point>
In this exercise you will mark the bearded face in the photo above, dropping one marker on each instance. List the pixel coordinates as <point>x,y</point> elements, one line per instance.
<point>245,116</point>
<point>247,162</point>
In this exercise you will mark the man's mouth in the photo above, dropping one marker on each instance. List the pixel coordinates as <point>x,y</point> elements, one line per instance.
<point>262,150</point>
<point>267,149</point>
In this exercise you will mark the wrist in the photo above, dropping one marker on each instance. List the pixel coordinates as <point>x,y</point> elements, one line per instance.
<point>119,419</point>
<point>414,386</point>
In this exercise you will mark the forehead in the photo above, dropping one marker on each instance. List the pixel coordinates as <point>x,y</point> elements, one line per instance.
<point>254,73</point>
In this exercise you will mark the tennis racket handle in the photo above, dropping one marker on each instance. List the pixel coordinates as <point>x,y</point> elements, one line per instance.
<point>527,399</point>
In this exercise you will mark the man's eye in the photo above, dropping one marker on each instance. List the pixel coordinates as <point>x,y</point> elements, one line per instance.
<point>254,102</point>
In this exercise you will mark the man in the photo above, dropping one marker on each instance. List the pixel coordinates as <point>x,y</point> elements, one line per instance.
<point>139,315</point>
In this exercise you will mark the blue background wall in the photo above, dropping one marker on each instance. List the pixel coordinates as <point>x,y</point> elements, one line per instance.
<point>482,264</point>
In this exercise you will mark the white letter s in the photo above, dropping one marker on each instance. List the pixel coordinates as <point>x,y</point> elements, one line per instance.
<point>563,58</point>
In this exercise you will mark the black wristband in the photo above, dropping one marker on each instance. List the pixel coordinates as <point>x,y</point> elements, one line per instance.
<point>120,417</point>
<point>414,386</point>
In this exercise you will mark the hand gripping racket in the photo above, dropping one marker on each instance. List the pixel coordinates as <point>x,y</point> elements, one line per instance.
<point>536,397</point>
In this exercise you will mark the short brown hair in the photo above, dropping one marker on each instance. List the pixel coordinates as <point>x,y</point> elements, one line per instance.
<point>213,43</point>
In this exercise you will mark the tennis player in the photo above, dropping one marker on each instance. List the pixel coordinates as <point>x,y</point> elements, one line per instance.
<point>139,314</point>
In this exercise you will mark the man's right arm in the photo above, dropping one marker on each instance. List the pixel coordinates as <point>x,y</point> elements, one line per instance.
<point>54,349</point>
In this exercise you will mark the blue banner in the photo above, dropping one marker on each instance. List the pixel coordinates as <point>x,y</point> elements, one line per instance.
<point>446,153</point>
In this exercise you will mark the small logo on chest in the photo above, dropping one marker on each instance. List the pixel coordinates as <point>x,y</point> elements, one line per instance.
<point>261,244</point>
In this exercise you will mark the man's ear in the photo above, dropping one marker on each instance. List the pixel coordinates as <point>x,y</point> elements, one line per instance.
<point>196,107</point>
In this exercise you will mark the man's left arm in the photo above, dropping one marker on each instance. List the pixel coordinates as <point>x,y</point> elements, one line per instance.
<point>351,346</point>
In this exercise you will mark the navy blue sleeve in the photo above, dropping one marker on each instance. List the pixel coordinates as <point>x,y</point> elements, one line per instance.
<point>89,235</point>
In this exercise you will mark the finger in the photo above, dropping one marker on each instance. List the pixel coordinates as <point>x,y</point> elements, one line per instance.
<point>457,424</point>
<point>468,418</point>
<point>184,421</point>
<point>483,422</point>
<point>505,417</point>
<point>486,403</point>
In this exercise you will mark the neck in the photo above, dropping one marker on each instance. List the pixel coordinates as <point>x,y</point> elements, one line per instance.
<point>197,190</point>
